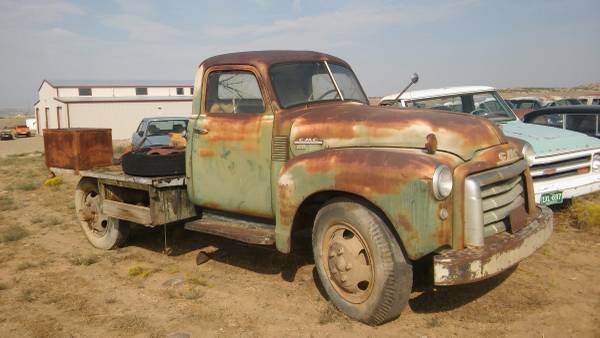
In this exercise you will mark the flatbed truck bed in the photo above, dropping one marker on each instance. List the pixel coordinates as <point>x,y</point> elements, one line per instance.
<point>150,201</point>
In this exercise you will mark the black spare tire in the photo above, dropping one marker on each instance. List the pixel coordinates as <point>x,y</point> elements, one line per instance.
<point>154,161</point>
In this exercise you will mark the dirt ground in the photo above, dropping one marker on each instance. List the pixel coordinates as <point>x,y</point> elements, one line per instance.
<point>22,145</point>
<point>54,284</point>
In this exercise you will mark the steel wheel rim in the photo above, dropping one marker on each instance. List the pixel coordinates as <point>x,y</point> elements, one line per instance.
<point>91,214</point>
<point>348,263</point>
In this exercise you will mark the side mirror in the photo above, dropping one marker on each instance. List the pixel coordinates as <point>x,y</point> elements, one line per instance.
<point>414,78</point>
<point>141,133</point>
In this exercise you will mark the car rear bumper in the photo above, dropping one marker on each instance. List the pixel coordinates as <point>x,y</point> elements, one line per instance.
<point>500,252</point>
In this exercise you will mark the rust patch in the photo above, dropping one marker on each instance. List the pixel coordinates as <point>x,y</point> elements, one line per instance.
<point>239,128</point>
<point>78,148</point>
<point>206,152</point>
<point>344,124</point>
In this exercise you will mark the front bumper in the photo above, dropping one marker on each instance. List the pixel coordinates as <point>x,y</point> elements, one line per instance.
<point>570,186</point>
<point>500,252</point>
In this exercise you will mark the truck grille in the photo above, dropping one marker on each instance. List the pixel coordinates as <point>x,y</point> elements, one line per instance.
<point>499,199</point>
<point>549,170</point>
<point>490,197</point>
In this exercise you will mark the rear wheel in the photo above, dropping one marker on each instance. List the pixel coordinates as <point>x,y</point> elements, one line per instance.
<point>102,231</point>
<point>360,263</point>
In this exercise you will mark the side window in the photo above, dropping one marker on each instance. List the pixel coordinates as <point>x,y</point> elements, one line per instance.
<point>234,92</point>
<point>140,127</point>
<point>452,103</point>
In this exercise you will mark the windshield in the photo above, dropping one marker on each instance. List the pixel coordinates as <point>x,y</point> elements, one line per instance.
<point>164,127</point>
<point>306,82</point>
<point>489,105</point>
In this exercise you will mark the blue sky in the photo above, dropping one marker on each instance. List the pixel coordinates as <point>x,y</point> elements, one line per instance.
<point>499,43</point>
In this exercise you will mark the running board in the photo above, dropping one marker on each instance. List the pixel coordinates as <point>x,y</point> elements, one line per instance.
<point>243,230</point>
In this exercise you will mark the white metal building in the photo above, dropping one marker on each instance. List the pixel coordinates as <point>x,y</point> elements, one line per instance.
<point>119,105</point>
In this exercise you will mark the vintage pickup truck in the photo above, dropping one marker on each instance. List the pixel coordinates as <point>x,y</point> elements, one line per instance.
<point>564,164</point>
<point>284,142</point>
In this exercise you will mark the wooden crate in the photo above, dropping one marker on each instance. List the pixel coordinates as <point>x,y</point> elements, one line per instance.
<point>78,148</point>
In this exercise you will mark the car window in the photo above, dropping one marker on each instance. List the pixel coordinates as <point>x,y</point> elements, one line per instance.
<point>140,127</point>
<point>596,101</point>
<point>551,120</point>
<point>582,123</point>
<point>452,103</point>
<point>157,128</point>
<point>348,83</point>
<point>234,92</point>
<point>489,105</point>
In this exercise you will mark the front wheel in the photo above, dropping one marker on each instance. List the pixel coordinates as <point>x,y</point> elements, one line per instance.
<point>360,263</point>
<point>102,231</point>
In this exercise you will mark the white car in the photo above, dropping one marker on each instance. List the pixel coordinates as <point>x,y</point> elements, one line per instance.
<point>563,163</point>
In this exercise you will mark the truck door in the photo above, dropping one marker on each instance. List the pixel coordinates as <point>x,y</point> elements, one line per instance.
<point>231,144</point>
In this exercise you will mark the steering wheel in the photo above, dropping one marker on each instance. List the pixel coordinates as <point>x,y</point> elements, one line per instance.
<point>480,112</point>
<point>326,93</point>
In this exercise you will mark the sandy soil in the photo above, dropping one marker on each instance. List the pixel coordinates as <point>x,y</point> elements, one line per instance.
<point>54,284</point>
<point>22,145</point>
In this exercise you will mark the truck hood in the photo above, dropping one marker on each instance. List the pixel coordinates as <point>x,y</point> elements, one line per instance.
<point>339,125</point>
<point>549,140</point>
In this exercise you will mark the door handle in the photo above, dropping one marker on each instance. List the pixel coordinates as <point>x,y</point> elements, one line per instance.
<point>201,131</point>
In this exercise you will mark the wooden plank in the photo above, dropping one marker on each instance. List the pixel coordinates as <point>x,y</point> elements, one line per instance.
<point>128,212</point>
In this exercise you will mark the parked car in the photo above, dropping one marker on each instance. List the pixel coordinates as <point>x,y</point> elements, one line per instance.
<point>154,131</point>
<point>526,102</point>
<point>7,134</point>
<point>590,100</point>
<point>22,131</point>
<point>564,163</point>
<point>584,119</point>
<point>571,101</point>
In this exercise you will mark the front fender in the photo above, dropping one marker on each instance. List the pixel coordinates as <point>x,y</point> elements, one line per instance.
<point>397,181</point>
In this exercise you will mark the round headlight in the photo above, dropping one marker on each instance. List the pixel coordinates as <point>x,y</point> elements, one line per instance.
<point>596,163</point>
<point>528,153</point>
<point>442,182</point>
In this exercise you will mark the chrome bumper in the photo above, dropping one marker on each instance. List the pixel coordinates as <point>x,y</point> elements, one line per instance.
<point>500,252</point>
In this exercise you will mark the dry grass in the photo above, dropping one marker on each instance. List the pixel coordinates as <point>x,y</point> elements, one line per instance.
<point>13,233</point>
<point>331,315</point>
<point>141,271</point>
<point>25,265</point>
<point>583,214</point>
<point>7,202</point>
<point>85,260</point>
<point>53,220</point>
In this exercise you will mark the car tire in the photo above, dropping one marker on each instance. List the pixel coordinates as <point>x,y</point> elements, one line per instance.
<point>102,232</point>
<point>360,263</point>
<point>154,161</point>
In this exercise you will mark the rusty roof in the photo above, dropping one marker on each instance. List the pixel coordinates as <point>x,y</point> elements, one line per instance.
<point>269,57</point>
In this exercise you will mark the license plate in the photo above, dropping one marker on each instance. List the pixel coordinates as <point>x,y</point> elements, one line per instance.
<point>550,198</point>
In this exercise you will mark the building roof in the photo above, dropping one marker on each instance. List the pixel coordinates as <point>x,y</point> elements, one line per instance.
<point>92,99</point>
<point>58,83</point>
<point>269,57</point>
<point>439,92</point>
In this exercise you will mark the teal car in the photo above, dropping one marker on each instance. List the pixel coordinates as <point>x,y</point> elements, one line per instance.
<point>563,163</point>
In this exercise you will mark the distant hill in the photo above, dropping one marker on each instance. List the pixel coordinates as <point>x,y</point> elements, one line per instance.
<point>12,112</point>
<point>591,89</point>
